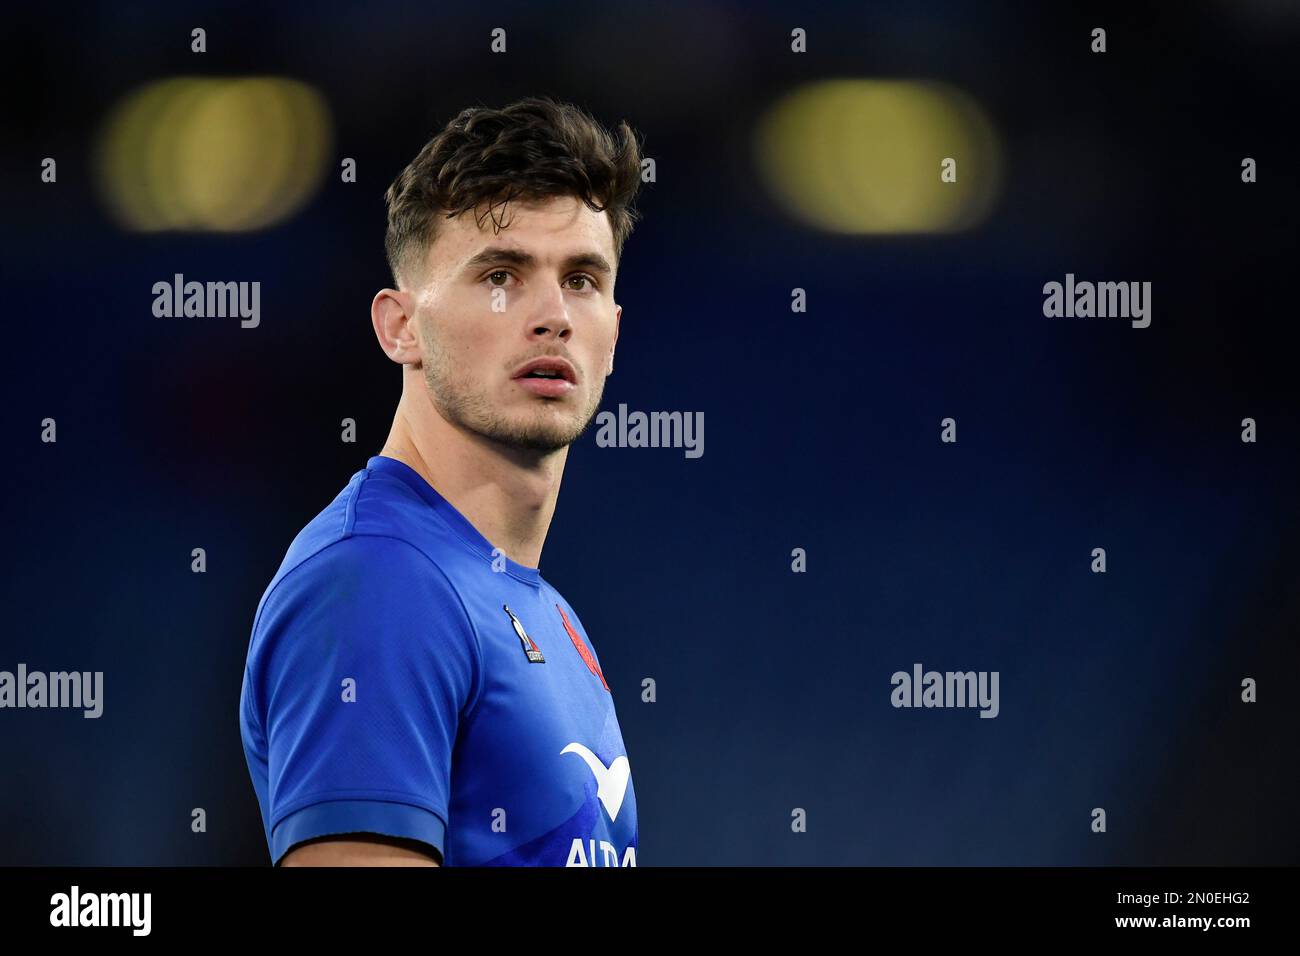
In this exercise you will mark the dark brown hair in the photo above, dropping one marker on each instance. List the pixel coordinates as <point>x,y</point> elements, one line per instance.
<point>533,149</point>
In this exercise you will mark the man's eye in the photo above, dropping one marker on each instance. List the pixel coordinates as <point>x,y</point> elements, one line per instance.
<point>492,275</point>
<point>583,278</point>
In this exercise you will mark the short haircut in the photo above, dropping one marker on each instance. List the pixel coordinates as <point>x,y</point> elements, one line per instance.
<point>533,149</point>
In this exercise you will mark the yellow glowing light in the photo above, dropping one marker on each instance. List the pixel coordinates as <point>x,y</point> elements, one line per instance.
<point>864,156</point>
<point>219,154</point>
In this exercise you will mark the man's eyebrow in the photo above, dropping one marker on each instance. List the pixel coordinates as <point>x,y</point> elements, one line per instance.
<point>501,255</point>
<point>497,255</point>
<point>589,260</point>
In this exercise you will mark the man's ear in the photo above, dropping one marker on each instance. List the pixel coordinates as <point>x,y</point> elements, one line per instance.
<point>392,313</point>
<point>618,314</point>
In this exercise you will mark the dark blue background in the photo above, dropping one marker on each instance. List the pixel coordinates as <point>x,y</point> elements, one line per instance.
<point>822,431</point>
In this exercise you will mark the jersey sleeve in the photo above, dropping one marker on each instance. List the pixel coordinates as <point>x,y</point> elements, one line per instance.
<point>362,665</point>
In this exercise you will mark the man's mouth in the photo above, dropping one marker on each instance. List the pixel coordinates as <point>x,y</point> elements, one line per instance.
<point>548,377</point>
<point>548,367</point>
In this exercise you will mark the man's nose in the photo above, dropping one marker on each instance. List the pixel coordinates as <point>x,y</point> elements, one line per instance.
<point>549,316</point>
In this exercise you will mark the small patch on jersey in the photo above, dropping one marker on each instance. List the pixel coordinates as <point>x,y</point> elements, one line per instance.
<point>530,646</point>
<point>582,648</point>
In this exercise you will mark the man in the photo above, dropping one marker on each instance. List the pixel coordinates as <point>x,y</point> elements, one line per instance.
<point>416,693</point>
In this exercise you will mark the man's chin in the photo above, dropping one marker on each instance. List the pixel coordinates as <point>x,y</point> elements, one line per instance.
<point>538,441</point>
<point>538,426</point>
<point>536,436</point>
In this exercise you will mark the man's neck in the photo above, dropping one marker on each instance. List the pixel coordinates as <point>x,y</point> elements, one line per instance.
<point>508,494</point>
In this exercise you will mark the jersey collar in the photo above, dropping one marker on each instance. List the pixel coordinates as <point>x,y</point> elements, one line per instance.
<point>454,519</point>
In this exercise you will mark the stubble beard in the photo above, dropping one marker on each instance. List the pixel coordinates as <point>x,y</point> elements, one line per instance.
<point>466,405</point>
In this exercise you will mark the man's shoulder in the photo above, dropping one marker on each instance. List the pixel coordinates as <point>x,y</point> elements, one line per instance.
<point>374,526</point>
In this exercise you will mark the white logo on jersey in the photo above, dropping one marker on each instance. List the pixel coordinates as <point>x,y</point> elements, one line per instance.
<point>580,855</point>
<point>611,781</point>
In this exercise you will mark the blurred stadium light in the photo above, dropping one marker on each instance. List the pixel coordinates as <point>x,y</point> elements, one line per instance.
<point>213,154</point>
<point>863,156</point>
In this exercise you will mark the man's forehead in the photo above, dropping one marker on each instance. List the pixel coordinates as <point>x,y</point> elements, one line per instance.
<point>551,229</point>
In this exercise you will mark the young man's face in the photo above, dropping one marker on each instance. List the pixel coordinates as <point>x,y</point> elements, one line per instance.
<point>490,303</point>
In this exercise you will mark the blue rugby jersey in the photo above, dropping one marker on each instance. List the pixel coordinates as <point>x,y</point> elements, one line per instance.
<point>397,684</point>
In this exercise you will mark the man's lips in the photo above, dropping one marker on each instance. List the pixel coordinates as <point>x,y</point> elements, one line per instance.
<point>546,387</point>
<point>549,377</point>
<point>551,366</point>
